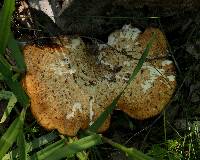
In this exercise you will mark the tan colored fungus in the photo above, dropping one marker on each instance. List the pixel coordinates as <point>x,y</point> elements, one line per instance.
<point>69,87</point>
<point>154,85</point>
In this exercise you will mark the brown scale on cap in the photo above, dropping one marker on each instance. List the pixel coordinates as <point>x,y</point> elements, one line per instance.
<point>69,87</point>
<point>159,47</point>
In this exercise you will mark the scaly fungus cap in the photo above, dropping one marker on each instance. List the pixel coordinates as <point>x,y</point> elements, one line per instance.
<point>69,87</point>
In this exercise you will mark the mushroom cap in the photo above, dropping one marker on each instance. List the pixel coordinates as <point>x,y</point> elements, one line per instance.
<point>59,81</point>
<point>69,87</point>
<point>154,85</point>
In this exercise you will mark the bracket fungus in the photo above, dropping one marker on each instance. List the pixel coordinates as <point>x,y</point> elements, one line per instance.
<point>69,87</point>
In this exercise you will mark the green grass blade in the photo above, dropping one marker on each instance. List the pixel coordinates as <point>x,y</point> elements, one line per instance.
<point>21,143</point>
<point>5,67</point>
<point>10,136</point>
<point>1,77</point>
<point>132,153</point>
<point>36,143</point>
<point>16,53</point>
<point>5,94</point>
<point>83,155</point>
<point>17,89</point>
<point>45,139</point>
<point>80,145</point>
<point>101,119</point>
<point>10,106</point>
<point>5,19</point>
<point>69,150</point>
<point>14,85</point>
<point>49,150</point>
<point>142,60</point>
